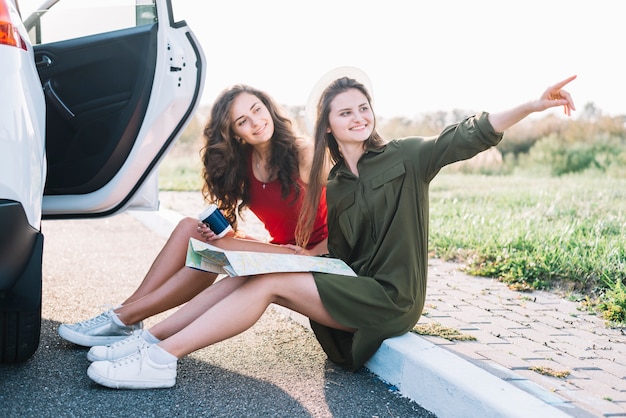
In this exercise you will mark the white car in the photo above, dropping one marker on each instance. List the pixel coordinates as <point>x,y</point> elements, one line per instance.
<point>93,93</point>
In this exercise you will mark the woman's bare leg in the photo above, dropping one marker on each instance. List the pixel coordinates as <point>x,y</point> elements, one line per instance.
<point>172,256</point>
<point>158,292</point>
<point>185,284</point>
<point>236,304</point>
<point>167,284</point>
<point>170,259</point>
<point>196,307</point>
<point>243,307</point>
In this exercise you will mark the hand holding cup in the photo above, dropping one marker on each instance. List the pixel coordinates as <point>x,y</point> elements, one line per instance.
<point>216,221</point>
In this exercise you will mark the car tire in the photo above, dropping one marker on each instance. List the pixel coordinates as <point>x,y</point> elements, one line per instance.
<point>20,335</point>
<point>20,311</point>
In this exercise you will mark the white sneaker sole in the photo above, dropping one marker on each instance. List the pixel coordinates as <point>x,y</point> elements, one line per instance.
<point>139,384</point>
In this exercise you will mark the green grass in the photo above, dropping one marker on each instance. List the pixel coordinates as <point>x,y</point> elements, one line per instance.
<point>537,233</point>
<point>181,173</point>
<point>438,330</point>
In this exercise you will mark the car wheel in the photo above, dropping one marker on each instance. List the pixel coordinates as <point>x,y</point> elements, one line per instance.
<point>19,335</point>
<point>20,311</point>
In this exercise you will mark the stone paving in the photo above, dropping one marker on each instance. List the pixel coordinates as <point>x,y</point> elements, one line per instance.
<point>515,332</point>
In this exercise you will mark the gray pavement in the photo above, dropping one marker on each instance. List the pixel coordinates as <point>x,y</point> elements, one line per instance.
<point>516,334</point>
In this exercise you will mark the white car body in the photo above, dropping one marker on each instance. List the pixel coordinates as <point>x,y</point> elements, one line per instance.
<point>22,135</point>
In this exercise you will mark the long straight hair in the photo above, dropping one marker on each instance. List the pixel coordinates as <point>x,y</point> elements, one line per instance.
<point>326,147</point>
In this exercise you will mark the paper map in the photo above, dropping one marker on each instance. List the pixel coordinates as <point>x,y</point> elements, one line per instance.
<point>206,257</point>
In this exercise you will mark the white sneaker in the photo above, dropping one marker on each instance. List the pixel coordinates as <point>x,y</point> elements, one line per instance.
<point>99,330</point>
<point>136,371</point>
<point>118,349</point>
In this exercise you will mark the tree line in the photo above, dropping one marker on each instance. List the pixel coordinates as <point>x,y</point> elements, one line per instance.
<point>590,141</point>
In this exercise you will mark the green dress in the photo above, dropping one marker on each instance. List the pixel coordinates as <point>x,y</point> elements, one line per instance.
<point>378,224</point>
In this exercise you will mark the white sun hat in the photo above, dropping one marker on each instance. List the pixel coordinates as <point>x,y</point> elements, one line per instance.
<point>310,111</point>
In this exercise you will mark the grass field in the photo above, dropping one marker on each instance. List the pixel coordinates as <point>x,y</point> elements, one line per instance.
<point>564,233</point>
<point>560,233</point>
<point>181,170</point>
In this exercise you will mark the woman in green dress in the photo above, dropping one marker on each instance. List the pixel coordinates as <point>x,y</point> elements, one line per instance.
<point>377,197</point>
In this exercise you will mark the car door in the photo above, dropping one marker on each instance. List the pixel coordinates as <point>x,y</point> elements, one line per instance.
<point>121,80</point>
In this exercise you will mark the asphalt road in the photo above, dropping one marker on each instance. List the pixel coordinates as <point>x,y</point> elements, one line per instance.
<point>275,369</point>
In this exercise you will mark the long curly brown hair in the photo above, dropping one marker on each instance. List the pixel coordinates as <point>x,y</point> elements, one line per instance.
<point>225,159</point>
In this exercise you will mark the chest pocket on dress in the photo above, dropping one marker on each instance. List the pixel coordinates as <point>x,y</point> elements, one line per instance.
<point>346,219</point>
<point>386,188</point>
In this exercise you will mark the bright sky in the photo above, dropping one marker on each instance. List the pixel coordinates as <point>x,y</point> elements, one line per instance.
<point>421,56</point>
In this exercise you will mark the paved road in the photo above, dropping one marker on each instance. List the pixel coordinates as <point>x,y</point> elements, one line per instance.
<point>275,369</point>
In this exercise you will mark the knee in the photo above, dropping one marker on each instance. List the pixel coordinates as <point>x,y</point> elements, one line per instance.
<point>187,227</point>
<point>277,285</point>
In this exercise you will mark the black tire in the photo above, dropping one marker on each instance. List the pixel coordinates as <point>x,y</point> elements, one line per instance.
<point>19,335</point>
<point>20,311</point>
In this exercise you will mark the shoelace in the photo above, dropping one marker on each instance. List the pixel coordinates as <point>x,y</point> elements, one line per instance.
<point>103,317</point>
<point>137,356</point>
<point>135,336</point>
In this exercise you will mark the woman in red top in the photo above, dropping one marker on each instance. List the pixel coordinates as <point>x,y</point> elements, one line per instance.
<point>252,159</point>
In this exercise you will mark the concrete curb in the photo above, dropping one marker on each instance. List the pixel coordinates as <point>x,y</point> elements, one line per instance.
<point>436,379</point>
<point>450,386</point>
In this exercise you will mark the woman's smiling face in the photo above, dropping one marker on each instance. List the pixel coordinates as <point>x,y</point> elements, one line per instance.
<point>251,120</point>
<point>350,118</point>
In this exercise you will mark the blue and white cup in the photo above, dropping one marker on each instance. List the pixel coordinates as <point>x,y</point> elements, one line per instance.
<point>214,218</point>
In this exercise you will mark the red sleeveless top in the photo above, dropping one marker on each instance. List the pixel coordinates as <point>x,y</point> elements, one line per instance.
<point>279,215</point>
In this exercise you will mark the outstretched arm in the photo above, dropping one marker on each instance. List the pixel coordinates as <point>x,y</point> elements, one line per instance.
<point>553,96</point>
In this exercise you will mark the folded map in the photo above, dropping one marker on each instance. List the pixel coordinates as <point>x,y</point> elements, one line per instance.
<point>206,257</point>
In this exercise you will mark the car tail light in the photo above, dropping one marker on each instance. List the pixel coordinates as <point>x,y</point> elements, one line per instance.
<point>8,31</point>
